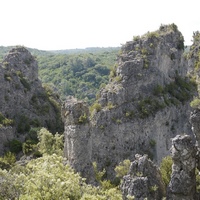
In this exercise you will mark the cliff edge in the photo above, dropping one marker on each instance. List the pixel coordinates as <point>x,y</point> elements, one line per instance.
<point>24,102</point>
<point>145,104</point>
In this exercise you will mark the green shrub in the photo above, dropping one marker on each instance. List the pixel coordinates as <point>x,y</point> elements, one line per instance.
<point>173,27</point>
<point>166,169</point>
<point>55,104</point>
<point>23,125</point>
<point>181,89</point>
<point>129,114</point>
<point>50,144</point>
<point>113,72</point>
<point>152,143</point>
<point>7,77</point>
<point>158,90</point>
<point>118,121</point>
<point>117,78</point>
<point>195,103</point>
<point>136,38</point>
<point>197,180</point>
<point>180,44</point>
<point>5,121</point>
<point>95,107</point>
<point>7,161</point>
<point>152,35</point>
<point>48,178</point>
<point>110,105</point>
<point>32,134</point>
<point>123,168</point>
<point>29,147</point>
<point>25,83</point>
<point>15,146</point>
<point>83,119</point>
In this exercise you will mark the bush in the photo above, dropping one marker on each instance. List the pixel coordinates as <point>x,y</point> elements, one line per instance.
<point>23,124</point>
<point>48,178</point>
<point>96,106</point>
<point>5,121</point>
<point>29,147</point>
<point>195,103</point>
<point>123,168</point>
<point>7,161</point>
<point>50,144</point>
<point>136,38</point>
<point>166,169</point>
<point>158,90</point>
<point>15,146</point>
<point>83,119</point>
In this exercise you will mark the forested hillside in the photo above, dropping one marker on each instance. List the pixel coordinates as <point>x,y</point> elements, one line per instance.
<point>77,72</point>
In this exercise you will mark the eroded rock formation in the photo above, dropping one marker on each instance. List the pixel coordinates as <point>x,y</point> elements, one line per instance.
<point>143,180</point>
<point>24,103</point>
<point>78,146</point>
<point>183,179</point>
<point>145,104</point>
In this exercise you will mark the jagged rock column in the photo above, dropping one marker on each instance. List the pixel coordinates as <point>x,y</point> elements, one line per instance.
<point>77,145</point>
<point>143,180</point>
<point>195,119</point>
<point>182,185</point>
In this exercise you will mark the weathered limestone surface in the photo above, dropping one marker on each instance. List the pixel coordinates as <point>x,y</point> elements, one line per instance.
<point>78,146</point>
<point>140,112</point>
<point>23,99</point>
<point>143,180</point>
<point>183,185</point>
<point>195,121</point>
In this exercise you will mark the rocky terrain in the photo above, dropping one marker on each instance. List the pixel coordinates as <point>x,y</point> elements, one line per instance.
<point>149,109</point>
<point>24,102</point>
<point>145,104</point>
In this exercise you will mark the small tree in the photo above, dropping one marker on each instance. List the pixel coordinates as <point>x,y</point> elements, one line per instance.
<point>49,143</point>
<point>123,168</point>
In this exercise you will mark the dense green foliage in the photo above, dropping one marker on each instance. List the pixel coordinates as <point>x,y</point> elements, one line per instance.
<point>166,169</point>
<point>49,143</point>
<point>77,72</point>
<point>123,168</point>
<point>48,177</point>
<point>80,75</point>
<point>174,93</point>
<point>5,121</point>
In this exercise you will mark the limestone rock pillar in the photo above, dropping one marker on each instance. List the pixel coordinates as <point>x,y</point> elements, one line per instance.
<point>183,185</point>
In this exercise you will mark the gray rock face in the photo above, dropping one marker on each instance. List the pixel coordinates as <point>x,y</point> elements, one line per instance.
<point>195,119</point>
<point>145,104</point>
<point>23,99</point>
<point>143,180</point>
<point>77,146</point>
<point>183,185</point>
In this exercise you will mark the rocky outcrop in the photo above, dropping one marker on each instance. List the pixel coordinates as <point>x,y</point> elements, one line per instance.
<point>145,104</point>
<point>195,121</point>
<point>24,103</point>
<point>77,144</point>
<point>183,185</point>
<point>143,180</point>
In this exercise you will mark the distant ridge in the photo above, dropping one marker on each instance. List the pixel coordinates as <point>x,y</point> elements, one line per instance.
<point>86,50</point>
<point>5,49</point>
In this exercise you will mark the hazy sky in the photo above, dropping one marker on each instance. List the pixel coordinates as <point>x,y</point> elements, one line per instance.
<point>66,24</point>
